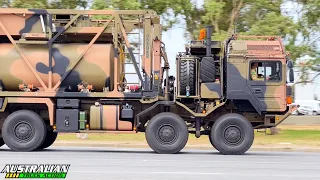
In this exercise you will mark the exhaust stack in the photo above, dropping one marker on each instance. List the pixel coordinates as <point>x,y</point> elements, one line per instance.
<point>209,33</point>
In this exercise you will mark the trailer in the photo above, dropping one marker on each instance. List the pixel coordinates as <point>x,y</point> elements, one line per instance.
<point>65,71</point>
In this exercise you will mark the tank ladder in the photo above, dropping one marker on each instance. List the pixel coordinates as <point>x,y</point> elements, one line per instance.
<point>128,73</point>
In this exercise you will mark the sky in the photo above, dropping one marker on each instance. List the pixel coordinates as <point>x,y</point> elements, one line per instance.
<point>175,41</point>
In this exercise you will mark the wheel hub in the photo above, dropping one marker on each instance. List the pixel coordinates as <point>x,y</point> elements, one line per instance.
<point>232,135</point>
<point>23,131</point>
<point>166,133</point>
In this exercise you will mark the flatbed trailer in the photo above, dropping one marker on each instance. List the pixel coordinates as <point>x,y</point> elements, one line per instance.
<point>65,71</point>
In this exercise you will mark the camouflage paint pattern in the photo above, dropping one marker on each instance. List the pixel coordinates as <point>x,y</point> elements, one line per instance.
<point>47,101</point>
<point>51,49</point>
<point>263,95</point>
<point>77,48</point>
<point>106,117</point>
<point>271,95</point>
<point>94,68</point>
<point>211,90</point>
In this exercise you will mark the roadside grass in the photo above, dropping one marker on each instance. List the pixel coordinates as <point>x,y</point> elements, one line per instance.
<point>294,137</point>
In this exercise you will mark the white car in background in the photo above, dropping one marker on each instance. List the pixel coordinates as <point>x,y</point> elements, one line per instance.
<point>307,110</point>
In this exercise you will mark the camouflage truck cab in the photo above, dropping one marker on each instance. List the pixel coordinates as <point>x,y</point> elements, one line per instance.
<point>256,71</point>
<point>67,71</point>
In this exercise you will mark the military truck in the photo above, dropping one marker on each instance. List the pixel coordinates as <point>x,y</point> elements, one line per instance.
<point>65,71</point>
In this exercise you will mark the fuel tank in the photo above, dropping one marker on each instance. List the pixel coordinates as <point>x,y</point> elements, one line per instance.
<point>107,117</point>
<point>95,68</point>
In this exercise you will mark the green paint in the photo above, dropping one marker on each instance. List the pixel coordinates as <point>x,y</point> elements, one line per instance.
<point>42,175</point>
<point>82,121</point>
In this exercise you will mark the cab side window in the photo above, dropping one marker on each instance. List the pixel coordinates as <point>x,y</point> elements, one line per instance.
<point>257,71</point>
<point>265,71</point>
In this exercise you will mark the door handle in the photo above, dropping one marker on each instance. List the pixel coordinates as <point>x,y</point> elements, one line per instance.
<point>257,90</point>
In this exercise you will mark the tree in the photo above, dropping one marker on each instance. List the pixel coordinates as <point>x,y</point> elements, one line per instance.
<point>162,7</point>
<point>309,23</point>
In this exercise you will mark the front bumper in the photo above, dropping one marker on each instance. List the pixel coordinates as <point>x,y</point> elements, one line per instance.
<point>280,118</point>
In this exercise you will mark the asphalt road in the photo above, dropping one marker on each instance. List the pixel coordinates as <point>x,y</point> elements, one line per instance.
<point>96,163</point>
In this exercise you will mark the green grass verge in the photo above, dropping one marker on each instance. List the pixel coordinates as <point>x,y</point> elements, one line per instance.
<point>298,137</point>
<point>303,137</point>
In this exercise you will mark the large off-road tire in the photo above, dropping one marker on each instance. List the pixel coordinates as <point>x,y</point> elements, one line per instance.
<point>187,76</point>
<point>167,133</point>
<point>49,140</point>
<point>207,69</point>
<point>1,142</point>
<point>23,130</point>
<point>232,134</point>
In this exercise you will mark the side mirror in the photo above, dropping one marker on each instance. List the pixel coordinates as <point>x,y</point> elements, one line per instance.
<point>291,75</point>
<point>290,64</point>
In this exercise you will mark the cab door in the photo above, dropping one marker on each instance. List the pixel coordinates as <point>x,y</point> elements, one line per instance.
<point>269,89</point>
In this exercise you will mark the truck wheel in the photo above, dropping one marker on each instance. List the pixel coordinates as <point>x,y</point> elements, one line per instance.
<point>23,130</point>
<point>167,133</point>
<point>187,76</point>
<point>1,142</point>
<point>49,140</point>
<point>232,134</point>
